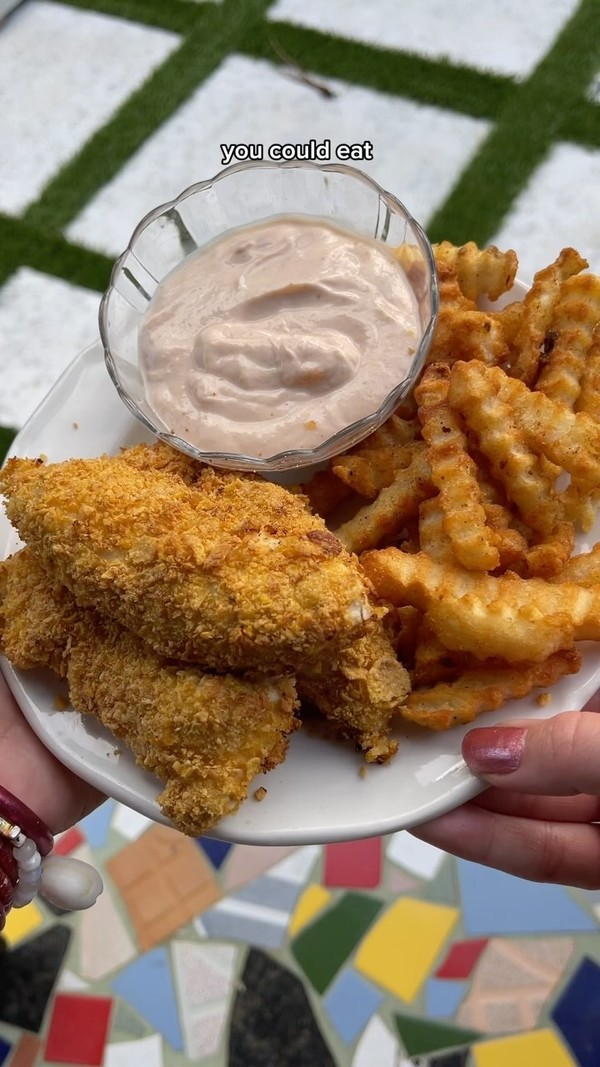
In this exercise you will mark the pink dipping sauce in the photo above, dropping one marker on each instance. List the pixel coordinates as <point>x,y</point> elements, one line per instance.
<point>276,336</point>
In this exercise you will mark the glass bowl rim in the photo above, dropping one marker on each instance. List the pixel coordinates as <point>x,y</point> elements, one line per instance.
<point>287,459</point>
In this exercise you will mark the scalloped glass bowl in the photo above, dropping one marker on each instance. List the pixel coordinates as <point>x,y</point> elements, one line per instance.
<point>238,196</point>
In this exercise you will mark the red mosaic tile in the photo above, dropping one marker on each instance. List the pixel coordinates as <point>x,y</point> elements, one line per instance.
<point>461,959</point>
<point>353,864</point>
<point>26,1051</point>
<point>69,841</point>
<point>78,1029</point>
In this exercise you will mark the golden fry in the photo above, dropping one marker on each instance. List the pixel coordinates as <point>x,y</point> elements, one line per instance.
<point>538,309</point>
<point>518,620</point>
<point>394,505</point>
<point>484,688</point>
<point>454,473</point>
<point>479,271</point>
<point>575,315</point>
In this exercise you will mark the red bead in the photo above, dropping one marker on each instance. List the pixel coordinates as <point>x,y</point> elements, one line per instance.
<point>8,863</point>
<point>7,889</point>
<point>15,811</point>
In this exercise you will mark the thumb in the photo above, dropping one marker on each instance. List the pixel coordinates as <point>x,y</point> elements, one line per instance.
<point>553,757</point>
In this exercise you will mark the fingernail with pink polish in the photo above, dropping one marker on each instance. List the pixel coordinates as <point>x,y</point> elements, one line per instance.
<point>494,749</point>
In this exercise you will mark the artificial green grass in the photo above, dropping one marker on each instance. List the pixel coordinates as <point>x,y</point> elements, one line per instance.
<point>6,436</point>
<point>524,133</point>
<point>426,81</point>
<point>527,117</point>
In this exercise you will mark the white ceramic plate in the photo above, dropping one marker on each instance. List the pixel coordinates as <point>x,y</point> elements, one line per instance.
<point>317,795</point>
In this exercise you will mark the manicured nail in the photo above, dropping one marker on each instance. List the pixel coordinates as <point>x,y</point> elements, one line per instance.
<point>494,749</point>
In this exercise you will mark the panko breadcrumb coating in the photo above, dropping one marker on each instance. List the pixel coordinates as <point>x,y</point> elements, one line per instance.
<point>231,573</point>
<point>205,736</point>
<point>359,690</point>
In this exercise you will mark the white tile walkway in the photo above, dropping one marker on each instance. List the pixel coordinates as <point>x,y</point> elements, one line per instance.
<point>44,324</point>
<point>63,73</point>
<point>250,100</point>
<point>560,206</point>
<point>506,36</point>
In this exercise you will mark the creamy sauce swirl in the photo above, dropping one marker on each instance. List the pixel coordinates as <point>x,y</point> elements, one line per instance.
<point>276,336</point>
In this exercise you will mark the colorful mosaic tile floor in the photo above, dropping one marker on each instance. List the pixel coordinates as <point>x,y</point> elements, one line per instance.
<point>375,953</point>
<point>485,119</point>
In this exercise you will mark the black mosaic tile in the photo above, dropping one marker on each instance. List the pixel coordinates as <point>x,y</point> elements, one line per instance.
<point>272,1021</point>
<point>28,974</point>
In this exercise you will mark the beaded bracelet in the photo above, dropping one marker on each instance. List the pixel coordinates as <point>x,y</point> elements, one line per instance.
<point>27,866</point>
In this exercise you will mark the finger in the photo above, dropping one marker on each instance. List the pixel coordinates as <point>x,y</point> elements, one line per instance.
<point>555,809</point>
<point>555,757</point>
<point>33,774</point>
<point>539,850</point>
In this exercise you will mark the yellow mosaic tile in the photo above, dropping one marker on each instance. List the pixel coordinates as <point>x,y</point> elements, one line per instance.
<point>312,901</point>
<point>523,1050</point>
<point>400,950</point>
<point>20,922</point>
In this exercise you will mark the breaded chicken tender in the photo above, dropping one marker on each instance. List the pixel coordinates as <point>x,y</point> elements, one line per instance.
<point>231,573</point>
<point>205,736</point>
<point>359,691</point>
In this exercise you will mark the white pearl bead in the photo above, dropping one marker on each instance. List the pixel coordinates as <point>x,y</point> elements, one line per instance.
<point>23,895</point>
<point>29,863</point>
<point>69,883</point>
<point>30,877</point>
<point>26,851</point>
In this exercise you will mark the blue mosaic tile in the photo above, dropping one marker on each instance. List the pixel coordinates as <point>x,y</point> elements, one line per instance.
<point>443,997</point>
<point>577,1014</point>
<point>350,1003</point>
<point>147,985</point>
<point>215,850</point>
<point>498,903</point>
<point>271,892</point>
<point>261,926</point>
<point>96,826</point>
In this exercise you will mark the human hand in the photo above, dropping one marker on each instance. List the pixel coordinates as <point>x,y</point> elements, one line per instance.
<point>539,820</point>
<point>35,776</point>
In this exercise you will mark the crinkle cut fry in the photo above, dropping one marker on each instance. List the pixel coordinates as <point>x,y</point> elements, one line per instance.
<point>570,440</point>
<point>370,471</point>
<point>433,538</point>
<point>463,330</point>
<point>205,736</point>
<point>589,396</point>
<point>482,689</point>
<point>454,473</point>
<point>394,505</point>
<point>526,480</point>
<point>579,503</point>
<point>575,316</point>
<point>479,271</point>
<point>538,308</point>
<point>515,619</point>
<point>433,662</point>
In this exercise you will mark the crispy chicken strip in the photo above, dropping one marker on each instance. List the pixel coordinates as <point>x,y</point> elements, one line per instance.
<point>230,573</point>
<point>205,736</point>
<point>359,690</point>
